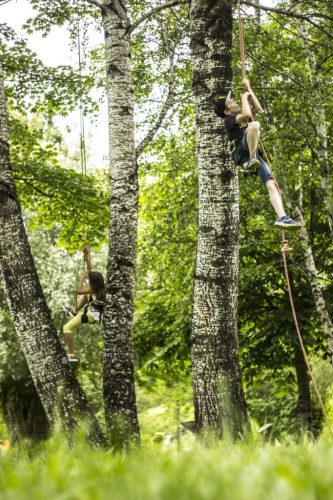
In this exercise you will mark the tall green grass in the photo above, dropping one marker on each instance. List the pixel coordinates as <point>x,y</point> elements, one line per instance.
<point>243,471</point>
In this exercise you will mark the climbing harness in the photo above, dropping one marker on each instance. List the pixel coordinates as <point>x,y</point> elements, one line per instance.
<point>285,248</point>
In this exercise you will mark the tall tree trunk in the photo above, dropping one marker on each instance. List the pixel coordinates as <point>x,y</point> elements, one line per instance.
<point>119,391</point>
<point>218,394</point>
<point>61,395</point>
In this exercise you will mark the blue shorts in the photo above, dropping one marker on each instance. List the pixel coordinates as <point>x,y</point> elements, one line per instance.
<point>264,171</point>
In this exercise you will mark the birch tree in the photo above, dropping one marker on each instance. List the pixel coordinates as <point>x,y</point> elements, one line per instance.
<point>218,394</point>
<point>61,395</point>
<point>119,392</point>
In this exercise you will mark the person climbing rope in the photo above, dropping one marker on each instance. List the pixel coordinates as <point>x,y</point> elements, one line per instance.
<point>245,135</point>
<point>89,308</point>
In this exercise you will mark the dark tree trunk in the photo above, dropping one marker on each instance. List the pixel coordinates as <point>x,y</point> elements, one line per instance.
<point>23,412</point>
<point>119,390</point>
<point>304,395</point>
<point>218,394</point>
<point>58,389</point>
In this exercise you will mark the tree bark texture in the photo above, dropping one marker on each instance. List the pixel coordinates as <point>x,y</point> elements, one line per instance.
<point>119,390</point>
<point>61,395</point>
<point>218,394</point>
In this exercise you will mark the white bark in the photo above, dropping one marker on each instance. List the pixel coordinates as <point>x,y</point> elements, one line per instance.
<point>119,391</point>
<point>218,394</point>
<point>59,391</point>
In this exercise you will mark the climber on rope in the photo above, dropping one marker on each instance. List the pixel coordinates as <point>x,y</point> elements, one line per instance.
<point>89,308</point>
<point>245,135</point>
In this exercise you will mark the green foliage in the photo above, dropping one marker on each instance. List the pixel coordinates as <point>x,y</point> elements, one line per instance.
<point>57,197</point>
<point>167,239</point>
<point>30,85</point>
<point>51,13</point>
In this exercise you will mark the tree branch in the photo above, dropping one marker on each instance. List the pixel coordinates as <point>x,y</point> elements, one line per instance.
<point>99,5</point>
<point>289,13</point>
<point>284,12</point>
<point>50,196</point>
<point>153,11</point>
<point>278,71</point>
<point>167,105</point>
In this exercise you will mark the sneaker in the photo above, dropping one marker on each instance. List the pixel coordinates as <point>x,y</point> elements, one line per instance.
<point>72,358</point>
<point>251,165</point>
<point>69,311</point>
<point>286,222</point>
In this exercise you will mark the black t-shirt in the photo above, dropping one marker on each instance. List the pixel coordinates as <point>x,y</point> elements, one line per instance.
<point>233,129</point>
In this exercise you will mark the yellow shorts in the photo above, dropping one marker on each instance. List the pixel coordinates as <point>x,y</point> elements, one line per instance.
<point>76,322</point>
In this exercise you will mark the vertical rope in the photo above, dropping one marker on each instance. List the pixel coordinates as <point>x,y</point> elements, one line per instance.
<point>82,127</point>
<point>241,41</point>
<point>284,244</point>
<point>83,154</point>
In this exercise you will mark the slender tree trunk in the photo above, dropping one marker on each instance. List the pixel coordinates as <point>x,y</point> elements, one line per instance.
<point>119,391</point>
<point>218,394</point>
<point>304,394</point>
<point>59,391</point>
<point>316,288</point>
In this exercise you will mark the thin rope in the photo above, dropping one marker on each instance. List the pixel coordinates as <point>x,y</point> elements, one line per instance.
<point>300,339</point>
<point>82,127</point>
<point>241,41</point>
<point>284,244</point>
<point>83,153</point>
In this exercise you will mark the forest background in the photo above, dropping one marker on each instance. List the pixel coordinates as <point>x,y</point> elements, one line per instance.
<point>63,192</point>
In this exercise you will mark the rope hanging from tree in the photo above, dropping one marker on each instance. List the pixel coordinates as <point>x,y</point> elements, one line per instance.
<point>284,242</point>
<point>83,153</point>
<point>82,128</point>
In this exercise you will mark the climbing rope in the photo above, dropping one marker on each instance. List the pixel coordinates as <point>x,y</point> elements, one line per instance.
<point>82,128</point>
<point>284,242</point>
<point>83,150</point>
<point>87,258</point>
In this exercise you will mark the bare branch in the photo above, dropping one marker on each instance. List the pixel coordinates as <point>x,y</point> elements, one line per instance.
<point>266,65</point>
<point>99,5</point>
<point>167,105</point>
<point>153,11</point>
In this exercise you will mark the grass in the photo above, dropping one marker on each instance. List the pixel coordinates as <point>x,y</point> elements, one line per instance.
<point>243,471</point>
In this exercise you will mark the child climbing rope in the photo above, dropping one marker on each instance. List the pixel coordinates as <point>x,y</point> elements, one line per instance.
<point>88,310</point>
<point>245,135</point>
